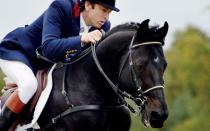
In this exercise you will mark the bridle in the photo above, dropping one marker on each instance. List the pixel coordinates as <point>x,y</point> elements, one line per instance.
<point>141,98</point>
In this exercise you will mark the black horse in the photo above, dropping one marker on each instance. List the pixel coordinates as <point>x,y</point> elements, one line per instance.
<point>89,96</point>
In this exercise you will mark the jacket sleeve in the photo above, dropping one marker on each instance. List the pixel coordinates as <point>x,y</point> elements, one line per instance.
<point>54,47</point>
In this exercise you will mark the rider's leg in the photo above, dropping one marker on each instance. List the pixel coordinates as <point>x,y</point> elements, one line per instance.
<point>26,81</point>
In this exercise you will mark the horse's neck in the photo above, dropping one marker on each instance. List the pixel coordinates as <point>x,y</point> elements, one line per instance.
<point>115,42</point>
<point>112,48</point>
<point>84,77</point>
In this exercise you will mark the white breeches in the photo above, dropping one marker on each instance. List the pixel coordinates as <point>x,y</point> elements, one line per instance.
<point>21,75</point>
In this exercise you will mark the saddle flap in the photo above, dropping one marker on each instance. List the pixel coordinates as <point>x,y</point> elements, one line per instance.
<point>42,82</point>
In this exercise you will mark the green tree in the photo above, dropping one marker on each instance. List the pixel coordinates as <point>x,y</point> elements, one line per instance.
<point>187,81</point>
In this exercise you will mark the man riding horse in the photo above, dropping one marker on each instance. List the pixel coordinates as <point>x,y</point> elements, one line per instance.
<point>62,31</point>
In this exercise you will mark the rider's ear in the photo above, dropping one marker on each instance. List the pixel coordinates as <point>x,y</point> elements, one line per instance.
<point>143,28</point>
<point>163,30</point>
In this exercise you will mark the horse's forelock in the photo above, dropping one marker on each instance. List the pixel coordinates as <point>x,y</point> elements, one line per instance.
<point>154,28</point>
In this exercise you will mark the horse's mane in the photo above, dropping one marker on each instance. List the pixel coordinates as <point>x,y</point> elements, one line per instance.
<point>129,26</point>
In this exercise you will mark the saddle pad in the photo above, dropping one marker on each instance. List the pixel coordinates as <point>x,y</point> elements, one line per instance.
<point>40,104</point>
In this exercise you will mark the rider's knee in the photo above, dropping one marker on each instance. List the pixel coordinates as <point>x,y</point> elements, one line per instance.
<point>29,86</point>
<point>27,89</point>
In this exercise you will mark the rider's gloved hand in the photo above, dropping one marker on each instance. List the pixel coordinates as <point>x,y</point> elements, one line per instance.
<point>91,37</point>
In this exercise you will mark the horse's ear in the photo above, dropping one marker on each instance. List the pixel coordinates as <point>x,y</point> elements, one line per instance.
<point>145,23</point>
<point>143,28</point>
<point>163,30</point>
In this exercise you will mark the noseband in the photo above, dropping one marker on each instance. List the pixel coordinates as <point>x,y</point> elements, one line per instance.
<point>141,98</point>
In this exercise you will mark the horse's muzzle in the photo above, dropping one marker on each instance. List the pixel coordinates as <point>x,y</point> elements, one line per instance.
<point>157,119</point>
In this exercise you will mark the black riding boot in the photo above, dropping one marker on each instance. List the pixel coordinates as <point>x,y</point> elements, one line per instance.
<point>7,118</point>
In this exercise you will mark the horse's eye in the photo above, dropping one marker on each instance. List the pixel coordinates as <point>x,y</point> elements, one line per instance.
<point>139,67</point>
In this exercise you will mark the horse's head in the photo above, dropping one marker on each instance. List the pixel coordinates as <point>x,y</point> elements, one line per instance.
<point>146,66</point>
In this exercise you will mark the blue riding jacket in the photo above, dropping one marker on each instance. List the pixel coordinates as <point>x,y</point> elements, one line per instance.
<point>56,31</point>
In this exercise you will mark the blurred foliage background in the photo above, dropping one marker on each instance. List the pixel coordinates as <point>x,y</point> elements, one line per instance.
<point>187,83</point>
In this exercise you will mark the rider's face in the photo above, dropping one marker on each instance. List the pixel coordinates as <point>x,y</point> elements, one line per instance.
<point>97,15</point>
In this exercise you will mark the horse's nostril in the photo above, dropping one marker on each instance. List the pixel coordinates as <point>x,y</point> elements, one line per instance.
<point>159,116</point>
<point>155,115</point>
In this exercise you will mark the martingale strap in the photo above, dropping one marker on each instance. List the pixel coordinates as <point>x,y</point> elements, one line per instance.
<point>82,108</point>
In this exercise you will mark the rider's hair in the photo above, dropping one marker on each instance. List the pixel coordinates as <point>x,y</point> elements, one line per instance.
<point>82,4</point>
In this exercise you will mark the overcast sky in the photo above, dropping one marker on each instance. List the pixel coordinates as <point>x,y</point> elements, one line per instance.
<point>178,13</point>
